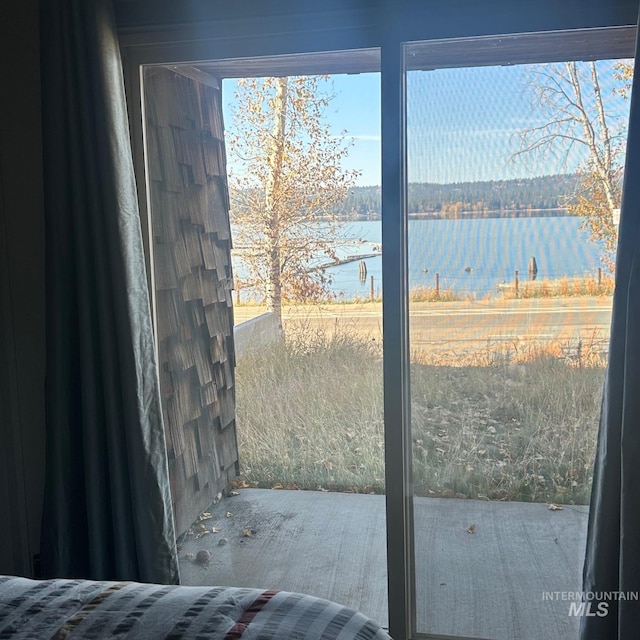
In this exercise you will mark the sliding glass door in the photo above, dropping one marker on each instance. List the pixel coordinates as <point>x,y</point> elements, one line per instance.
<point>503,187</point>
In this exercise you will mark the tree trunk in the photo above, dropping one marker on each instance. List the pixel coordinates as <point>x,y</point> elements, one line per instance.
<point>599,154</point>
<point>606,172</point>
<point>276,161</point>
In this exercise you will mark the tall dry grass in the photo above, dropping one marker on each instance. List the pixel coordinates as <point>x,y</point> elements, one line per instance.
<point>561,288</point>
<point>309,413</point>
<point>515,423</point>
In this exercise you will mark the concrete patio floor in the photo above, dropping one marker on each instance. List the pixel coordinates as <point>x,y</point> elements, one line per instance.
<point>481,567</point>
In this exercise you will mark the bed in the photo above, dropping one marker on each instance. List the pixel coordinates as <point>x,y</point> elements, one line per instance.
<point>92,610</point>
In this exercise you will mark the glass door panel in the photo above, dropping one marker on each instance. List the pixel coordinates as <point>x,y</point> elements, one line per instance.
<point>511,237</point>
<point>266,238</point>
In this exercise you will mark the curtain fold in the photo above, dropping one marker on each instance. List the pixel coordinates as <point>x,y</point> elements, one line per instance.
<point>107,512</point>
<point>612,562</point>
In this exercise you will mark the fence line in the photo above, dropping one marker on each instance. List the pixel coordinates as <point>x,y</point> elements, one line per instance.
<point>440,282</point>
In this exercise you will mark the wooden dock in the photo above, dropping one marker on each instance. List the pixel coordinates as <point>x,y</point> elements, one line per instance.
<point>345,260</point>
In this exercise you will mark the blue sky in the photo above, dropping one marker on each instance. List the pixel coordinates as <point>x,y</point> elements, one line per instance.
<point>461,123</point>
<point>356,108</point>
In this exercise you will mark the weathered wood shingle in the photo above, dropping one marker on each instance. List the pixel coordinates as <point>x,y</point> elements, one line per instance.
<point>193,280</point>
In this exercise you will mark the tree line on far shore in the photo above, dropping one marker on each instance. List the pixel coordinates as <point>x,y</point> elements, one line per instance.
<point>544,192</point>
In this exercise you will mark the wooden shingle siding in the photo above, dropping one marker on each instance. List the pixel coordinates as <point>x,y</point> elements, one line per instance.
<point>166,308</point>
<point>193,282</point>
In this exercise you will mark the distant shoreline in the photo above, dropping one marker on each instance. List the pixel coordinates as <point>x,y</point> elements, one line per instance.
<point>499,213</point>
<point>468,215</point>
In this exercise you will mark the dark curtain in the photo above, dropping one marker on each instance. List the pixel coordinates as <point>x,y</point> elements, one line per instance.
<point>612,562</point>
<point>107,512</point>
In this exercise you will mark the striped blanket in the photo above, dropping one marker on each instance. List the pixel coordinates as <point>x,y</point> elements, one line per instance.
<point>90,610</point>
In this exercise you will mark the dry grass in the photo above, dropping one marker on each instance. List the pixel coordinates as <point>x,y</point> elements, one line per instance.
<point>561,288</point>
<point>433,294</point>
<point>508,423</point>
<point>515,432</point>
<point>309,413</point>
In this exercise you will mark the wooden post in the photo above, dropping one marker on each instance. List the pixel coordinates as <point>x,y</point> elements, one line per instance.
<point>517,282</point>
<point>372,290</point>
<point>599,276</point>
<point>437,284</point>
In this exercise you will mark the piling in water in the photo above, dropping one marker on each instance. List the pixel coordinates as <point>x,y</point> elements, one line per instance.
<point>533,268</point>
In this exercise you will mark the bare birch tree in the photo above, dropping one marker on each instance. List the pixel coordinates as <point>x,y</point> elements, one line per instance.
<point>289,176</point>
<point>569,99</point>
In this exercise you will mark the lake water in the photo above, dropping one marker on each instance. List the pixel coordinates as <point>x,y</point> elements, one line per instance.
<point>470,256</point>
<point>474,256</point>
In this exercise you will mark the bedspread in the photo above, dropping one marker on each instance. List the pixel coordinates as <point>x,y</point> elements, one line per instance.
<point>92,610</point>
